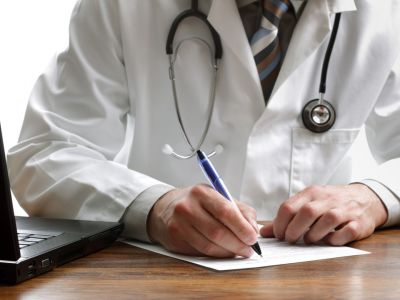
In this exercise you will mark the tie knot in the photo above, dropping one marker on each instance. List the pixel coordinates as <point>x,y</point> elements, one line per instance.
<point>274,9</point>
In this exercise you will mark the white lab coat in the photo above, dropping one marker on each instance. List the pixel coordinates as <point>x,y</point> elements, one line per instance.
<point>99,116</point>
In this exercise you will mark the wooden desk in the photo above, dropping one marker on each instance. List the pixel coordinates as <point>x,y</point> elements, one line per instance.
<point>125,272</point>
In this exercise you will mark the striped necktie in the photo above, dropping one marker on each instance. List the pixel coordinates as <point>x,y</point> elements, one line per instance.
<point>265,43</point>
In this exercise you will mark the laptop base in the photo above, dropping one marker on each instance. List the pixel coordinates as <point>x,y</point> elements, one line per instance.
<point>77,239</point>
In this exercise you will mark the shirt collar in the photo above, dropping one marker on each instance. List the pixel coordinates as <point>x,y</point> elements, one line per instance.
<point>296,3</point>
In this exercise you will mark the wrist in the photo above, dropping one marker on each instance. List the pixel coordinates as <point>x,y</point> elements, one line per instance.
<point>378,209</point>
<point>154,219</point>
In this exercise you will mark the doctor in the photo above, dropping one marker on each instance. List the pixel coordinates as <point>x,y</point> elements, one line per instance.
<point>98,118</point>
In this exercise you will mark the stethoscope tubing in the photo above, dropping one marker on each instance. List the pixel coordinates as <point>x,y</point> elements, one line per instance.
<point>327,58</point>
<point>307,112</point>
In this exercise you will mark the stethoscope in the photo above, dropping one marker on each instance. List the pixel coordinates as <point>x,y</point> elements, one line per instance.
<point>318,115</point>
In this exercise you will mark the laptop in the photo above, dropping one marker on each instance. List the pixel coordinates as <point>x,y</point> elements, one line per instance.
<point>31,246</point>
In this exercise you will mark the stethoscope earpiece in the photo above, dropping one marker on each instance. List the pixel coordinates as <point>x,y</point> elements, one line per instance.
<point>168,150</point>
<point>318,115</point>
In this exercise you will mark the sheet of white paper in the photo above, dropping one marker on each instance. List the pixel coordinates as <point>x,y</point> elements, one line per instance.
<point>274,252</point>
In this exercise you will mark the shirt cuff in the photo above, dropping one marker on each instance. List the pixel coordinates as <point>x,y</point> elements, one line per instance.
<point>388,198</point>
<point>135,217</point>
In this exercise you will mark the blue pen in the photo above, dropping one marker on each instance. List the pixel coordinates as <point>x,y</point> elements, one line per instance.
<point>219,185</point>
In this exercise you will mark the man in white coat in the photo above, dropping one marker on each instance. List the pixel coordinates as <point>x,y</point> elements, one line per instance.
<point>90,146</point>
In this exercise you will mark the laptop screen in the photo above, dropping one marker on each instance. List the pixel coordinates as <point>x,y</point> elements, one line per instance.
<point>9,249</point>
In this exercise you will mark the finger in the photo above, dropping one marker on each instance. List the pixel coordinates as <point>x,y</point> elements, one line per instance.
<point>192,213</point>
<point>182,247</point>
<point>326,224</point>
<point>229,215</point>
<point>249,214</point>
<point>287,211</point>
<point>267,231</point>
<point>188,240</point>
<point>307,215</point>
<point>207,247</point>
<point>218,234</point>
<point>353,231</point>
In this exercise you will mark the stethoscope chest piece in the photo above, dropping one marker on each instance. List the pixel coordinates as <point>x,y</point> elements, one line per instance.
<point>318,115</point>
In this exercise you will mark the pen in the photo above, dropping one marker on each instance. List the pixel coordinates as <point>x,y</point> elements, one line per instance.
<point>219,185</point>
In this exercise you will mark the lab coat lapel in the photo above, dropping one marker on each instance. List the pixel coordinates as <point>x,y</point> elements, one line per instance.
<point>224,17</point>
<point>310,32</point>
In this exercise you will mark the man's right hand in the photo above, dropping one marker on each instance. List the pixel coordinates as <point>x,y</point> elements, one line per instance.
<point>199,221</point>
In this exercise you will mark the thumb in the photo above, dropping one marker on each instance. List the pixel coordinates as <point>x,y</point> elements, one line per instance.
<point>267,230</point>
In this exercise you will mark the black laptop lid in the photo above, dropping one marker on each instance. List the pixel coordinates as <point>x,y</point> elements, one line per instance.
<point>9,249</point>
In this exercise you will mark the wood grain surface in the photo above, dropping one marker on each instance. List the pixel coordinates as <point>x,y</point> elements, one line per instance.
<point>126,272</point>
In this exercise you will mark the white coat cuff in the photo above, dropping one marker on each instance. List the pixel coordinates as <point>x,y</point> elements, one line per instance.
<point>135,217</point>
<point>388,198</point>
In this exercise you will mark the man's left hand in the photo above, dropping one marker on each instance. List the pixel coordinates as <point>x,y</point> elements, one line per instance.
<point>335,215</point>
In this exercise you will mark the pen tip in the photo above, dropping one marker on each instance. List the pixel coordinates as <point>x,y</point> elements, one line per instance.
<point>256,247</point>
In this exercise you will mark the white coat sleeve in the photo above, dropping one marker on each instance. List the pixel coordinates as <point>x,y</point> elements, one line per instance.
<point>383,136</point>
<point>75,127</point>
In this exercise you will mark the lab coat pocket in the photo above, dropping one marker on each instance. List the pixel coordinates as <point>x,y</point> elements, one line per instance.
<point>320,158</point>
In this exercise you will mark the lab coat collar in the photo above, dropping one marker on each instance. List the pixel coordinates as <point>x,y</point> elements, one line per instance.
<point>317,22</point>
<point>335,6</point>
<point>224,17</point>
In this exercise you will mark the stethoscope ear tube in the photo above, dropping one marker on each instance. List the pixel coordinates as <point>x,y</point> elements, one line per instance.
<point>172,53</point>
<point>193,12</point>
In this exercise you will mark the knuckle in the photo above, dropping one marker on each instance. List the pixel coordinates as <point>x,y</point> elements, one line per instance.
<point>286,209</point>
<point>182,209</point>
<point>308,210</point>
<point>225,211</point>
<point>173,229</point>
<point>198,191</point>
<point>333,217</point>
<point>353,230</point>
<point>216,234</point>
<point>313,189</point>
<point>207,249</point>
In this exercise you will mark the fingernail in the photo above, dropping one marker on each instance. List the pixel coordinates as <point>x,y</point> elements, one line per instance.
<point>251,239</point>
